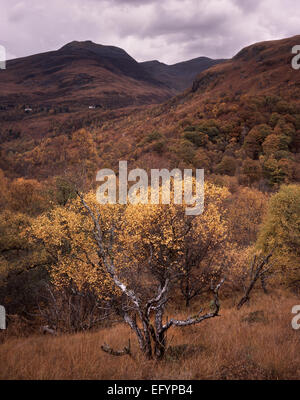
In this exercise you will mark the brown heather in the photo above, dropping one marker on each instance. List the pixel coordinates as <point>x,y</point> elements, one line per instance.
<point>257,342</point>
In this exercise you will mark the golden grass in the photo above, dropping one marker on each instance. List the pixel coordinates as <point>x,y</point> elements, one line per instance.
<point>228,347</point>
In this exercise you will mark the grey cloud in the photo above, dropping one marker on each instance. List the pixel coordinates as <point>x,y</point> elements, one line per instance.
<point>134,2</point>
<point>246,5</point>
<point>169,30</point>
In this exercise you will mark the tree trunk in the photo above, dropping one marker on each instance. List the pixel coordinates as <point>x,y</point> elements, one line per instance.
<point>160,346</point>
<point>263,285</point>
<point>187,301</point>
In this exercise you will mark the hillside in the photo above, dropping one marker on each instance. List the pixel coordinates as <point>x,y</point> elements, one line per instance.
<point>263,67</point>
<point>240,118</point>
<point>79,82</point>
<point>209,351</point>
<point>84,73</point>
<point>181,75</point>
<point>78,74</point>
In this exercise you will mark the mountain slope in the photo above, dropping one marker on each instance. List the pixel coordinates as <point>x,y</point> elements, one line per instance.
<point>84,73</point>
<point>79,73</point>
<point>79,82</point>
<point>181,75</point>
<point>263,67</point>
<point>111,58</point>
<point>240,118</point>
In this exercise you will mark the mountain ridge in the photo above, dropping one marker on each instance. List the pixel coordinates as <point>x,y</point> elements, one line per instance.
<point>181,74</point>
<point>88,61</point>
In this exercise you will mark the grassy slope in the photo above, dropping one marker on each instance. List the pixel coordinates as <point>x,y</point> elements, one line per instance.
<point>223,348</point>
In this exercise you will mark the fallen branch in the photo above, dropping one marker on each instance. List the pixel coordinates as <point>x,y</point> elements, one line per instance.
<point>45,329</point>
<point>126,350</point>
<point>198,318</point>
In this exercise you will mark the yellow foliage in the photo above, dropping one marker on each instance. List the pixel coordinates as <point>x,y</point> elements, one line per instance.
<point>148,239</point>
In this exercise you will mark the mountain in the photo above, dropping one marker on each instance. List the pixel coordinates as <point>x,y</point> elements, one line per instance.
<point>79,82</point>
<point>80,73</point>
<point>240,117</point>
<point>84,73</point>
<point>181,75</point>
<point>263,67</point>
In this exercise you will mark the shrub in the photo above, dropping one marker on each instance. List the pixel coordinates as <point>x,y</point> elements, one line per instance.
<point>251,171</point>
<point>197,138</point>
<point>227,166</point>
<point>272,171</point>
<point>278,171</point>
<point>184,150</point>
<point>280,231</point>
<point>151,137</point>
<point>274,119</point>
<point>254,140</point>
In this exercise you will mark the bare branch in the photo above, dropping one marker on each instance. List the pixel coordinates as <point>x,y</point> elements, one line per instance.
<point>45,329</point>
<point>198,318</point>
<point>161,293</point>
<point>126,350</point>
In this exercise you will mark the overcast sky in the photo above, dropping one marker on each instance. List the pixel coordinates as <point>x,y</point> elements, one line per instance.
<point>167,30</point>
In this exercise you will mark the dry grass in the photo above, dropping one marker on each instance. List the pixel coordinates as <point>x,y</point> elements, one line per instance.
<point>238,345</point>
